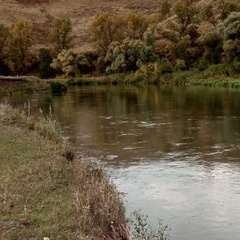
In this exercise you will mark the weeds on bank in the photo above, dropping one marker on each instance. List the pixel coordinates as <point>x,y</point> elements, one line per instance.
<point>101,208</point>
<point>141,230</point>
<point>42,194</point>
<point>45,126</point>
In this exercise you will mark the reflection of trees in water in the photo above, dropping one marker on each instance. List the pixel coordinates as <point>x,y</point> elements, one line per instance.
<point>165,119</point>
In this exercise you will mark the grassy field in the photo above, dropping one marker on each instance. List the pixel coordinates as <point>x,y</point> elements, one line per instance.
<point>42,194</point>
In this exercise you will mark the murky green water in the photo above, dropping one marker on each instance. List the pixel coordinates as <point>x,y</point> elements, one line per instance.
<point>174,151</point>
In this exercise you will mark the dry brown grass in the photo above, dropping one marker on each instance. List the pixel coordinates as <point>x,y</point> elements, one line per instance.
<point>42,194</point>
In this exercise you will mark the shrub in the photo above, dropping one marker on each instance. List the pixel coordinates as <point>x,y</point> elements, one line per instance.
<point>129,55</point>
<point>57,87</point>
<point>142,230</point>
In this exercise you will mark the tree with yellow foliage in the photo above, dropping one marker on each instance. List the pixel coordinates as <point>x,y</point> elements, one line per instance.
<point>16,53</point>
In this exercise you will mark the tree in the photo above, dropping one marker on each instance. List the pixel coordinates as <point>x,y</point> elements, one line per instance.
<point>208,14</point>
<point>61,34</point>
<point>230,30</point>
<point>45,60</point>
<point>165,8</point>
<point>185,16</point>
<point>64,63</point>
<point>4,34</point>
<point>134,25</point>
<point>104,29</point>
<point>129,55</point>
<point>212,43</point>
<point>178,38</point>
<point>16,54</point>
<point>109,27</point>
<point>227,6</point>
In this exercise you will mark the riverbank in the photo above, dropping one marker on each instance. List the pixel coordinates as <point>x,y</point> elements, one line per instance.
<point>214,76</point>
<point>23,84</point>
<point>208,78</point>
<point>44,192</point>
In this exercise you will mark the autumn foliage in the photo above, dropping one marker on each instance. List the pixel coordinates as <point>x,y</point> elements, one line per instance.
<point>185,35</point>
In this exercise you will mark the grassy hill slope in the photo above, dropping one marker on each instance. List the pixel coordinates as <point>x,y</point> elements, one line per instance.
<point>41,12</point>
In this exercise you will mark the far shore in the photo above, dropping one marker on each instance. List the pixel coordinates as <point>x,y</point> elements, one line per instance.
<point>27,84</point>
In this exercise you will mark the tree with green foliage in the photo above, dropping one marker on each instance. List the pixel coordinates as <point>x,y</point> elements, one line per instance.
<point>208,14</point>
<point>178,37</point>
<point>17,54</point>
<point>165,8</point>
<point>61,34</point>
<point>230,30</point>
<point>45,60</point>
<point>185,16</point>
<point>4,34</point>
<point>225,7</point>
<point>83,63</point>
<point>212,42</point>
<point>129,55</point>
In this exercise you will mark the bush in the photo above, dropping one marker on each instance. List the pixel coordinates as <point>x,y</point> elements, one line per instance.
<point>57,87</point>
<point>129,55</point>
<point>166,67</point>
<point>142,230</point>
<point>222,69</point>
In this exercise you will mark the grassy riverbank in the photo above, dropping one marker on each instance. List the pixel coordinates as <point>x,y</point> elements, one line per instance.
<point>42,194</point>
<point>219,77</point>
<point>181,78</point>
<point>23,84</point>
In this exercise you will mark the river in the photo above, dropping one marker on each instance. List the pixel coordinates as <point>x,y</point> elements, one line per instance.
<point>175,152</point>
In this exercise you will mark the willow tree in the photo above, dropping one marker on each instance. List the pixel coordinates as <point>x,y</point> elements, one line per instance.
<point>129,55</point>
<point>231,36</point>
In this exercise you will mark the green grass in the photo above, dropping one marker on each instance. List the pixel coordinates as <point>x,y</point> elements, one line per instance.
<point>44,195</point>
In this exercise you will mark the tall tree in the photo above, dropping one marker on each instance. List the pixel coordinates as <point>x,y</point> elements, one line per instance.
<point>208,14</point>
<point>104,29</point>
<point>16,54</point>
<point>178,36</point>
<point>45,60</point>
<point>185,16</point>
<point>230,30</point>
<point>134,25</point>
<point>4,34</point>
<point>212,42</point>
<point>61,34</point>
<point>165,8</point>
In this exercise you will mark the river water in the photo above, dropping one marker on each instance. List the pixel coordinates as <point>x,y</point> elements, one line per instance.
<point>175,152</point>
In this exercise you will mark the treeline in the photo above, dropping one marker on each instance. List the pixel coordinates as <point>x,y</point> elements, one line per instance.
<point>179,37</point>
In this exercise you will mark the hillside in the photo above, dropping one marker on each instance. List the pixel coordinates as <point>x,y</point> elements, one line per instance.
<point>41,12</point>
